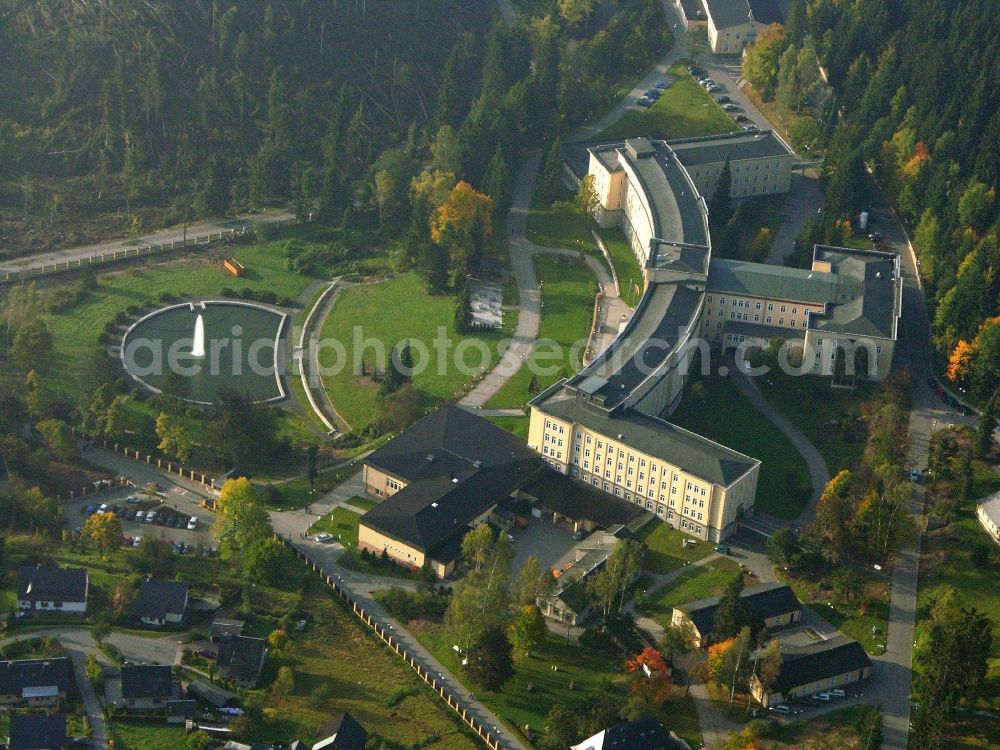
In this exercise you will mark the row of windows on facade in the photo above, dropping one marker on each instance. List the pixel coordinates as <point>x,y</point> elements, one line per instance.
<point>661,509</point>
<point>745,303</point>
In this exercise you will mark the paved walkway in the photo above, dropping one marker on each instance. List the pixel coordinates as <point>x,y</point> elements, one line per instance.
<point>819,473</point>
<point>173,234</point>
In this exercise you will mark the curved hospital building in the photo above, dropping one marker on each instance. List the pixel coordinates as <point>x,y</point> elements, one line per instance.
<point>607,424</point>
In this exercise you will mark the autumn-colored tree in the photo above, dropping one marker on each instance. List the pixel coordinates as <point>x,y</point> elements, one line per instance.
<point>277,639</point>
<point>463,222</point>
<point>122,597</point>
<point>960,361</point>
<point>649,682</point>
<point>105,531</point>
<point>528,630</point>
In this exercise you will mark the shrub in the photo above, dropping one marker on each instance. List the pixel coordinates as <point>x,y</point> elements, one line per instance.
<point>229,292</point>
<point>267,297</point>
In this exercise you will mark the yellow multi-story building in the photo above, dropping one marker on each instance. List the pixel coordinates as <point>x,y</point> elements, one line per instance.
<point>688,481</point>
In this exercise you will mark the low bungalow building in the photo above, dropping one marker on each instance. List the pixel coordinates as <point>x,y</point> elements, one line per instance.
<point>210,693</point>
<point>147,687</point>
<point>646,733</point>
<point>161,603</point>
<point>341,733</point>
<point>988,513</point>
<point>179,711</point>
<point>241,659</point>
<point>223,627</point>
<point>821,666</point>
<point>35,683</point>
<point>437,480</point>
<point>776,604</point>
<point>47,589</point>
<point>37,732</point>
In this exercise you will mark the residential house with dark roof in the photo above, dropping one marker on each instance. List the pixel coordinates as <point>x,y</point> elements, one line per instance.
<point>776,604</point>
<point>48,589</point>
<point>35,683</point>
<point>161,603</point>
<point>341,733</point>
<point>440,478</point>
<point>241,659</point>
<point>37,732</point>
<point>179,711</point>
<point>223,626</point>
<point>821,666</point>
<point>147,687</point>
<point>646,733</point>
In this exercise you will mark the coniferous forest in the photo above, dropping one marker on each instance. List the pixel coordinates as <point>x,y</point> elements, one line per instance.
<point>916,99</point>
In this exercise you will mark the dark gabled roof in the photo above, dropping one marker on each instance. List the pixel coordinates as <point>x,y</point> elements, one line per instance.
<point>768,600</point>
<point>643,734</point>
<point>243,656</point>
<point>767,11</point>
<point>429,512</point>
<point>445,441</point>
<point>157,599</point>
<point>19,674</point>
<point>819,661</point>
<point>52,584</point>
<point>341,733</point>
<point>580,501</point>
<point>37,732</point>
<point>212,694</point>
<point>147,681</point>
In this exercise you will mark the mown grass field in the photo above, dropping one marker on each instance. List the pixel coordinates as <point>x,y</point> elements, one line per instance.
<point>554,227</point>
<point>627,268</point>
<point>517,425</point>
<point>684,110</point>
<point>384,315</point>
<point>536,687</point>
<point>567,311</point>
<point>697,582</point>
<point>340,522</point>
<point>148,735</point>
<point>721,412</point>
<point>664,551</point>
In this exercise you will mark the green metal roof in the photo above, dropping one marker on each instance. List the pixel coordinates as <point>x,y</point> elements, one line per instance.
<point>693,453</point>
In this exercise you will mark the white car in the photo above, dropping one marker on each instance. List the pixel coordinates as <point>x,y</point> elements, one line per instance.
<point>132,500</point>
<point>193,523</point>
<point>324,537</point>
<point>151,516</point>
<point>102,508</point>
<point>137,541</point>
<point>838,693</point>
<point>781,708</point>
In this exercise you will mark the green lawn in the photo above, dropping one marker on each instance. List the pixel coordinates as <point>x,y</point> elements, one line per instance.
<point>695,583</point>
<point>386,314</point>
<point>713,407</point>
<point>151,735</point>
<point>627,268</point>
<point>664,552</point>
<point>517,425</point>
<point>299,493</point>
<point>535,687</point>
<point>829,417</point>
<point>855,619</point>
<point>568,301</point>
<point>684,110</point>
<point>340,522</point>
<point>361,503</point>
<point>555,227</point>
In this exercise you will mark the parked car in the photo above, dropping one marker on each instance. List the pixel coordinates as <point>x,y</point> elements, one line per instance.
<point>660,85</point>
<point>838,693</point>
<point>730,107</point>
<point>102,508</point>
<point>723,99</point>
<point>90,509</point>
<point>23,614</point>
<point>653,94</point>
<point>781,708</point>
<point>749,128</point>
<point>645,101</point>
<point>742,118</point>
<point>151,516</point>
<point>193,523</point>
<point>137,541</point>
<point>324,537</point>
<point>133,499</point>
<point>914,475</point>
<point>825,697</point>
<point>714,88</point>
<point>580,536</point>
<point>723,549</point>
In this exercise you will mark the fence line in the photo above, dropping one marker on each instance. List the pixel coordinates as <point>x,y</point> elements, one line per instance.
<point>149,249</point>
<point>453,703</point>
<point>304,358</point>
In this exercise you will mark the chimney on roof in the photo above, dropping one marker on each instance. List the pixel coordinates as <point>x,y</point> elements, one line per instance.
<point>478,464</point>
<point>430,458</point>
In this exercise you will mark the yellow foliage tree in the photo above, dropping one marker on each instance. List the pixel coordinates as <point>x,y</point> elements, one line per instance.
<point>105,531</point>
<point>462,222</point>
<point>960,361</point>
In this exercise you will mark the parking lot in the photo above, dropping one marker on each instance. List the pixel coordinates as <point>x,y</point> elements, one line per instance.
<point>171,505</point>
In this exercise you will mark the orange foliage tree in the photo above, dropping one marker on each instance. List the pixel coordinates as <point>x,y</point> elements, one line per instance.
<point>650,677</point>
<point>960,361</point>
<point>463,224</point>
